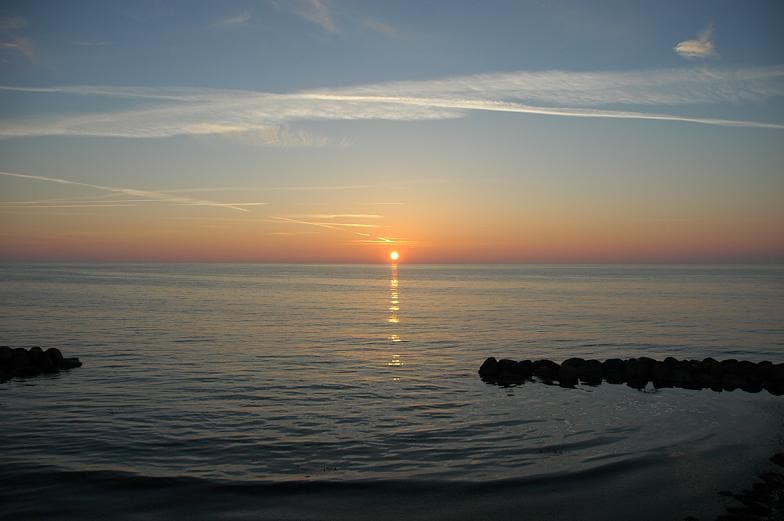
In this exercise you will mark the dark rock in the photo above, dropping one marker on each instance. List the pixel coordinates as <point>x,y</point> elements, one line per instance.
<point>590,372</point>
<point>573,362</point>
<point>681,374</point>
<point>705,367</point>
<point>752,387</point>
<point>41,361</point>
<point>19,358</point>
<point>510,371</point>
<point>716,372</point>
<point>777,374</point>
<point>489,367</point>
<point>54,355</point>
<point>764,370</point>
<point>567,375</point>
<point>637,384</point>
<point>24,363</point>
<point>6,353</point>
<point>748,370</point>
<point>26,371</point>
<point>702,380</point>
<point>639,368</point>
<point>729,366</point>
<point>731,381</point>
<point>726,375</point>
<point>614,370</point>
<point>775,388</point>
<point>661,372</point>
<point>507,367</point>
<point>546,369</point>
<point>70,363</point>
<point>36,356</point>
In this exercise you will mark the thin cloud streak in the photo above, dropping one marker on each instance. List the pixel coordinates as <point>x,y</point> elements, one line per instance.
<point>318,12</point>
<point>237,19</point>
<point>327,225</point>
<point>107,205</point>
<point>130,202</point>
<point>266,116</point>
<point>269,188</point>
<point>93,43</point>
<point>12,40</point>
<point>335,216</point>
<point>130,192</point>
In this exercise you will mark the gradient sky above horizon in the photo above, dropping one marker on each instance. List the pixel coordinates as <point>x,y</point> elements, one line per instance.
<point>337,131</point>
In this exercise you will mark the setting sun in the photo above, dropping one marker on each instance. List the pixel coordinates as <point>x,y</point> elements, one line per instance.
<point>394,256</point>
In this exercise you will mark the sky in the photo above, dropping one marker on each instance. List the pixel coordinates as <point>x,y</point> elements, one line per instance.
<point>338,131</point>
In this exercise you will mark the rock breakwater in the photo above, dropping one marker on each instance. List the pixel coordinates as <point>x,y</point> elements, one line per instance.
<point>25,363</point>
<point>725,375</point>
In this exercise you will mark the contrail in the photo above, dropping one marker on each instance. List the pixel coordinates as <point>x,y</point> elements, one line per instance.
<point>520,108</point>
<point>158,196</point>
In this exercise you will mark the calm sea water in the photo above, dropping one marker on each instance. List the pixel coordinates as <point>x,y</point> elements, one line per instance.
<point>350,392</point>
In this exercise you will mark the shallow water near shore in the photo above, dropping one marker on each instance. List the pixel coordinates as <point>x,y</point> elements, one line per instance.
<point>336,392</point>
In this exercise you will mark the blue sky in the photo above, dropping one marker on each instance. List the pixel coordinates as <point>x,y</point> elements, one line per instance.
<point>526,125</point>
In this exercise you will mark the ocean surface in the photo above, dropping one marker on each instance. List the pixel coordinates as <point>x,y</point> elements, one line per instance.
<point>351,392</point>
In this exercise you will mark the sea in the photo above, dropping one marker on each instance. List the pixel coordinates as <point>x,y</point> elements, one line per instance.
<point>327,392</point>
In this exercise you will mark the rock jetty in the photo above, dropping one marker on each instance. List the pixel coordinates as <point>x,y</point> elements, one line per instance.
<point>23,362</point>
<point>726,375</point>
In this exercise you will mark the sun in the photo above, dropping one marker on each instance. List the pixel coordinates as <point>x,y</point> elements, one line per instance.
<point>394,256</point>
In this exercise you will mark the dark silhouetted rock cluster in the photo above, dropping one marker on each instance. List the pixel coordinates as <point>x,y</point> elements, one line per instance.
<point>32,362</point>
<point>726,375</point>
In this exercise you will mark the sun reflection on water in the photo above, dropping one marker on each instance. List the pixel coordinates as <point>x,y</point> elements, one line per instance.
<point>394,318</point>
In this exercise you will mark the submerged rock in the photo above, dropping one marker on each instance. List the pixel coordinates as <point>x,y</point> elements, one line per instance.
<point>26,363</point>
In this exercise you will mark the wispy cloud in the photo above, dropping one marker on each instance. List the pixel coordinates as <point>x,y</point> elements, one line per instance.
<point>11,37</point>
<point>19,44</point>
<point>381,27</point>
<point>92,43</point>
<point>132,192</point>
<point>338,20</point>
<point>322,224</point>
<point>193,111</point>
<point>335,216</point>
<point>700,47</point>
<point>318,12</point>
<point>304,188</point>
<point>351,228</point>
<point>233,20</point>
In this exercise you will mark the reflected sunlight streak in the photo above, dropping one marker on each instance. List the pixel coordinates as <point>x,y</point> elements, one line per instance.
<point>394,308</point>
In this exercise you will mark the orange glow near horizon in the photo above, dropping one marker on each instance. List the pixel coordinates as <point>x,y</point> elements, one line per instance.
<point>540,231</point>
